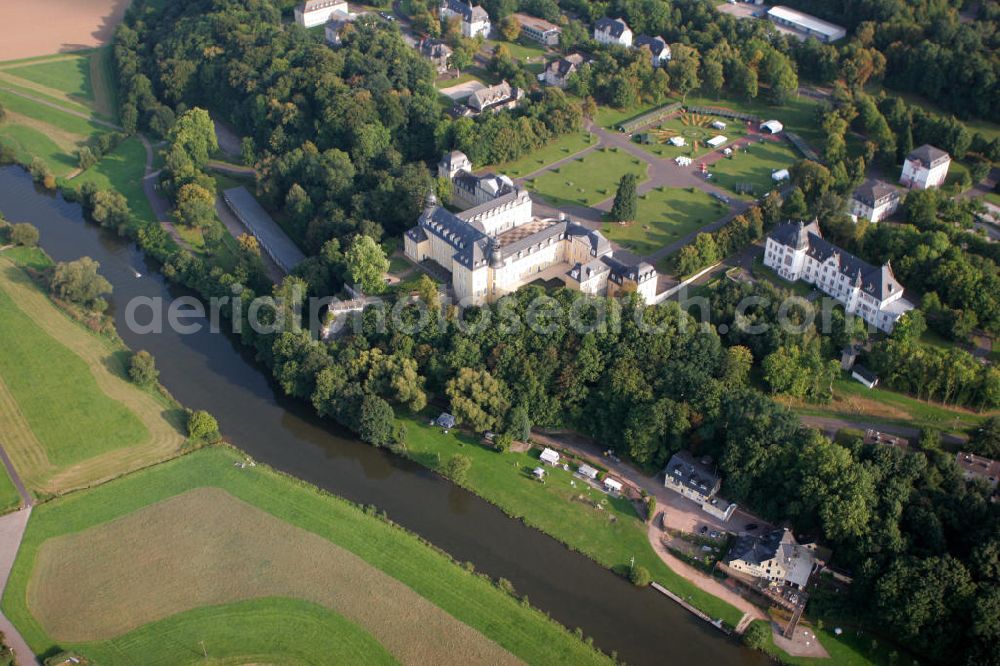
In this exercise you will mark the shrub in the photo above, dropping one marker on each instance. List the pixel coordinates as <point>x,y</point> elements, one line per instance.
<point>756,635</point>
<point>142,369</point>
<point>203,426</point>
<point>639,575</point>
<point>457,467</point>
<point>24,234</point>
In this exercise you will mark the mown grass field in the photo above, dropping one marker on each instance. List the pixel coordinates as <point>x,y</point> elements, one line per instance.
<point>9,497</point>
<point>273,546</point>
<point>29,139</point>
<point>82,79</point>
<point>123,169</point>
<point>610,535</point>
<point>69,416</point>
<point>665,215</point>
<point>557,149</point>
<point>753,165</point>
<point>798,114</point>
<point>589,179</point>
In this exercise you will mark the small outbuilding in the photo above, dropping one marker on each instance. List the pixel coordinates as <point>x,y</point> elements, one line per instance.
<point>612,485</point>
<point>716,141</point>
<point>780,175</point>
<point>864,375</point>
<point>587,472</point>
<point>549,456</point>
<point>446,421</point>
<point>678,141</point>
<point>538,473</point>
<point>718,124</point>
<point>771,127</point>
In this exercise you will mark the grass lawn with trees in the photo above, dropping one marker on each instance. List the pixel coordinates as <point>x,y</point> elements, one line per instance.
<point>665,215</point>
<point>589,179</point>
<point>123,169</point>
<point>610,535</point>
<point>69,415</point>
<point>753,165</point>
<point>558,149</point>
<point>428,609</point>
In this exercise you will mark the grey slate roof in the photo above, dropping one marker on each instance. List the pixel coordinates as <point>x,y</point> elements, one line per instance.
<point>756,549</point>
<point>873,191</point>
<point>470,13</point>
<point>566,66</point>
<point>864,373</point>
<point>656,45</point>
<point>928,155</point>
<point>683,469</point>
<point>875,281</point>
<point>615,27</point>
<point>434,48</point>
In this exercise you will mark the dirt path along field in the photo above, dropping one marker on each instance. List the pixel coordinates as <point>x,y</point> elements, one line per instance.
<point>206,547</point>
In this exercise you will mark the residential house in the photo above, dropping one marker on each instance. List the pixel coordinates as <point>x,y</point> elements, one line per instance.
<point>698,481</point>
<point>978,467</point>
<point>587,472</point>
<point>335,27</point>
<point>658,48</point>
<point>538,30</point>
<point>498,246</point>
<point>874,201</point>
<point>805,25</point>
<point>613,31</point>
<point>774,556</point>
<point>437,52</point>
<point>494,98</point>
<point>474,19</point>
<point>612,485</point>
<point>925,167</point>
<point>558,71</point>
<point>317,12</point>
<point>797,251</point>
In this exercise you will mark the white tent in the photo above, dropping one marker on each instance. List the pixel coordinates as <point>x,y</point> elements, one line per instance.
<point>613,484</point>
<point>682,160</point>
<point>717,141</point>
<point>678,141</point>
<point>772,126</point>
<point>778,176</point>
<point>549,456</point>
<point>719,125</point>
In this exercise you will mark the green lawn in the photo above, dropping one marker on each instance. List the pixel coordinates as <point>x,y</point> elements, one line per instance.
<point>29,143</point>
<point>559,148</point>
<point>523,50</point>
<point>694,129</point>
<point>70,74</point>
<point>611,535</point>
<point>766,273</point>
<point>753,165</point>
<point>798,115</point>
<point>46,114</point>
<point>28,257</point>
<point>240,633</point>
<point>55,392</point>
<point>122,169</point>
<point>665,215</point>
<point>589,179</point>
<point>10,499</point>
<point>271,630</point>
<point>609,117</point>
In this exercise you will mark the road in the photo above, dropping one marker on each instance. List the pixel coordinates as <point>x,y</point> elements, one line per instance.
<point>12,528</point>
<point>831,424</point>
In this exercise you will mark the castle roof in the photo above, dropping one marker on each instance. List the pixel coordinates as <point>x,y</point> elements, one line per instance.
<point>872,191</point>
<point>928,155</point>
<point>614,27</point>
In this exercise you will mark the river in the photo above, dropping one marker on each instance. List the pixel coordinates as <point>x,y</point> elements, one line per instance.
<point>213,372</point>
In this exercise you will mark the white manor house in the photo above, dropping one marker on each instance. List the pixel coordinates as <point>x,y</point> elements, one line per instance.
<point>497,245</point>
<point>798,251</point>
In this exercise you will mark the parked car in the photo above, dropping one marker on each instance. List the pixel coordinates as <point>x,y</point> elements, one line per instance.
<point>713,534</point>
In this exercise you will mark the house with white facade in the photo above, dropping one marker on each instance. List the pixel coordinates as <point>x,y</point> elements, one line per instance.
<point>474,19</point>
<point>775,557</point>
<point>494,248</point>
<point>798,251</point>
<point>873,201</point>
<point>558,71</point>
<point>613,31</point>
<point>698,481</point>
<point>658,48</point>
<point>805,25</point>
<point>925,167</point>
<point>317,12</point>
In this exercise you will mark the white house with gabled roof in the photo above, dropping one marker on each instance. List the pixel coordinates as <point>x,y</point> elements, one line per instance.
<point>925,167</point>
<point>474,19</point>
<point>317,12</point>
<point>613,31</point>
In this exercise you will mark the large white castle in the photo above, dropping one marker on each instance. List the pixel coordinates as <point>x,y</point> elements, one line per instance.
<point>496,245</point>
<point>798,251</point>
